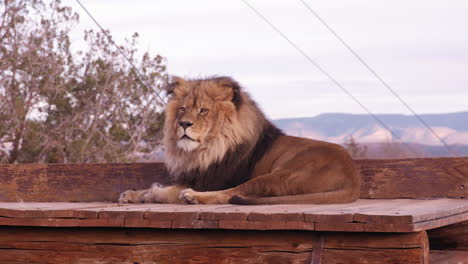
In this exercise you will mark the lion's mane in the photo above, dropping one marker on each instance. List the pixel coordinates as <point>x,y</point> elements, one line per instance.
<point>229,153</point>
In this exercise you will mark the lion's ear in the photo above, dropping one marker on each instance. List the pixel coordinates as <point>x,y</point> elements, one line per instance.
<point>231,90</point>
<point>178,87</point>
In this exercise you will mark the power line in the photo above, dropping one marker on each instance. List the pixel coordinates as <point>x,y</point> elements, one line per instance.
<point>319,18</point>
<point>109,37</point>
<point>322,70</point>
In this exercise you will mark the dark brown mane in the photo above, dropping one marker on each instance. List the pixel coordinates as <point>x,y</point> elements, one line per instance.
<point>235,168</point>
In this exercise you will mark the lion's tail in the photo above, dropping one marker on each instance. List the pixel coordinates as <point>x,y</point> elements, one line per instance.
<point>338,196</point>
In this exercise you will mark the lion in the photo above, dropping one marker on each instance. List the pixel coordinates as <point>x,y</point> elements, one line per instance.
<point>220,148</point>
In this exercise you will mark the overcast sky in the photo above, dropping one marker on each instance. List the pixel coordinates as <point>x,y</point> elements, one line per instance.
<point>420,47</point>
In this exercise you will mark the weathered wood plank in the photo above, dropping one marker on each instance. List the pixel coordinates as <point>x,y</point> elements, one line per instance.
<point>339,213</point>
<point>62,222</point>
<point>365,215</point>
<point>228,212</point>
<point>129,245</point>
<point>12,209</point>
<point>413,247</point>
<point>342,227</point>
<point>411,178</point>
<point>451,237</point>
<point>133,222</point>
<point>418,226</point>
<point>439,222</point>
<point>277,213</point>
<point>261,225</point>
<point>388,227</point>
<point>403,178</point>
<point>128,211</point>
<point>75,182</point>
<point>152,246</point>
<point>407,211</point>
<point>344,256</point>
<point>448,257</point>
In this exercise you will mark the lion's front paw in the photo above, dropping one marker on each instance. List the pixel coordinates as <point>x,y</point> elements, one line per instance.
<point>131,196</point>
<point>127,196</point>
<point>188,196</point>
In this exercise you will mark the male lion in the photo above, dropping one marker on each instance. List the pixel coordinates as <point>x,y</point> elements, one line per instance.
<point>220,149</point>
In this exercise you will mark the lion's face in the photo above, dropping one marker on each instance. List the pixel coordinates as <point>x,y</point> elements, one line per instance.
<point>198,110</point>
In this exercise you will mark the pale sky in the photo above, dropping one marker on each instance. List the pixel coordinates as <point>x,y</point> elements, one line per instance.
<point>419,47</point>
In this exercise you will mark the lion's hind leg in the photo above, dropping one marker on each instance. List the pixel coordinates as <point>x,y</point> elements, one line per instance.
<point>322,185</point>
<point>331,197</point>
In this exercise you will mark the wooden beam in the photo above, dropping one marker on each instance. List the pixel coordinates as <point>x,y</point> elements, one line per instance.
<point>364,215</point>
<point>451,237</point>
<point>137,245</point>
<point>448,257</point>
<point>403,178</point>
<point>412,178</point>
<point>75,182</point>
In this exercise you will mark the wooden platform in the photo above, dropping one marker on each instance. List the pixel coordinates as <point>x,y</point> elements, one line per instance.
<point>410,211</point>
<point>364,215</point>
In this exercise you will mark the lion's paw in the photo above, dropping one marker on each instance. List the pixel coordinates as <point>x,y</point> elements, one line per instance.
<point>151,196</point>
<point>127,197</point>
<point>188,196</point>
<point>132,196</point>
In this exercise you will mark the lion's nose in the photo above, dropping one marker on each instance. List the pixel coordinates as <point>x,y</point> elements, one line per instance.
<point>185,124</point>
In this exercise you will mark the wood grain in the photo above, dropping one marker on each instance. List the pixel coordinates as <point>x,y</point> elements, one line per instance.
<point>65,232</point>
<point>440,222</point>
<point>75,182</point>
<point>451,237</point>
<point>118,245</point>
<point>449,257</point>
<point>411,178</point>
<point>407,211</point>
<point>364,215</point>
<point>402,178</point>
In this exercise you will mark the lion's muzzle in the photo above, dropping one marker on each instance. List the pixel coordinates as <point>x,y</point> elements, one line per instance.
<point>185,124</point>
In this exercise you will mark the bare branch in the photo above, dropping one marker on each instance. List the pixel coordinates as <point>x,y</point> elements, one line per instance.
<point>59,105</point>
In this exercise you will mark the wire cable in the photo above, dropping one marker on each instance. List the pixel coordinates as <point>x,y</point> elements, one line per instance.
<point>378,77</point>
<point>323,71</point>
<point>109,37</point>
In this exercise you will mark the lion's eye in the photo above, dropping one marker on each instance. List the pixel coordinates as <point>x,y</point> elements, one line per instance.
<point>182,109</point>
<point>203,111</point>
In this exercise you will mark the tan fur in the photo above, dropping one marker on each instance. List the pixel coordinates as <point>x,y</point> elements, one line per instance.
<point>215,137</point>
<point>292,170</point>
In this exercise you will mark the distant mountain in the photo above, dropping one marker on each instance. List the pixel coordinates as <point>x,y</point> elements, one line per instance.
<point>452,127</point>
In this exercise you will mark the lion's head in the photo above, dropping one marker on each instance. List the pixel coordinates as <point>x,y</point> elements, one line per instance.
<point>206,118</point>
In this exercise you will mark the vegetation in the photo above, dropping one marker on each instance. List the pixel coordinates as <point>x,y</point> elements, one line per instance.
<point>356,150</point>
<point>62,105</point>
<point>383,150</point>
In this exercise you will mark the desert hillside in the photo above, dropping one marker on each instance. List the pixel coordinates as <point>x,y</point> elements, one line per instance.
<point>339,128</point>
